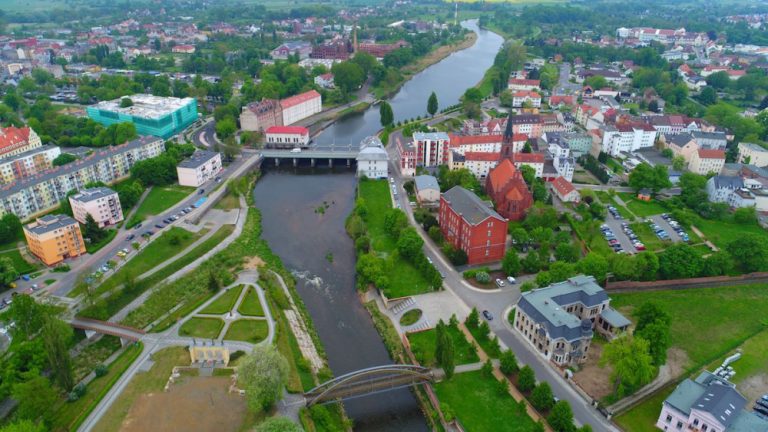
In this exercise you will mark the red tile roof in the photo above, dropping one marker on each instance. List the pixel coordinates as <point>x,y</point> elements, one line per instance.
<point>11,137</point>
<point>519,137</point>
<point>499,175</point>
<point>481,156</point>
<point>528,157</point>
<point>525,82</point>
<point>526,93</point>
<point>563,186</point>
<point>298,130</point>
<point>711,154</point>
<point>299,99</point>
<point>459,140</point>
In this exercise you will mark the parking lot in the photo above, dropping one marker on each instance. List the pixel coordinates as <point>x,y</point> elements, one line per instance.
<point>674,236</point>
<point>617,230</point>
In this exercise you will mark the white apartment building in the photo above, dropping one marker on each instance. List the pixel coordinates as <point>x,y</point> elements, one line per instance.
<point>287,137</point>
<point>519,98</point>
<point>753,154</point>
<point>372,161</point>
<point>301,106</point>
<point>101,203</point>
<point>463,144</point>
<point>624,138</point>
<point>202,166</point>
<point>431,148</point>
<point>480,164</point>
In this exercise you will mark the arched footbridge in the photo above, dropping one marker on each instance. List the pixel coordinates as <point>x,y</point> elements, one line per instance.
<point>367,382</point>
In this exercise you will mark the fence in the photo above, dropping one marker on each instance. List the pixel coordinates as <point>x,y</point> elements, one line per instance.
<point>677,284</point>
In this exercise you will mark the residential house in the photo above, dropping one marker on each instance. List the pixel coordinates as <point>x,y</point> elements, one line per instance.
<point>518,84</point>
<point>627,137</point>
<point>14,141</point>
<point>471,225</point>
<point>750,153</point>
<point>565,191</point>
<point>101,203</point>
<point>525,124</point>
<point>710,140</point>
<point>427,190</point>
<point>373,160</point>
<point>259,116</point>
<point>302,48</point>
<point>54,238</point>
<point>507,189</point>
<point>682,145</point>
<point>559,321</point>
<point>533,160</point>
<point>197,169</point>
<point>708,403</point>
<point>526,97</point>
<point>301,106</point>
<point>707,161</point>
<point>28,163</point>
<point>480,163</point>
<point>476,143</point>
<point>743,197</point>
<point>719,188</point>
<point>325,81</point>
<point>406,154</point>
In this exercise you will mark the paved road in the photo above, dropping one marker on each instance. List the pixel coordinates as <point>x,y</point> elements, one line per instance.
<point>205,136</point>
<point>498,303</point>
<point>564,86</point>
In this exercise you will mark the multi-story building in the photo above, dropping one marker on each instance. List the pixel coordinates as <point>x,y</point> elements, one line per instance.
<point>523,97</point>
<point>708,404</point>
<point>525,124</point>
<point>28,163</point>
<point>507,189</point>
<point>560,320</point>
<point>682,145</point>
<point>476,143</point>
<point>470,225</point>
<point>750,153</point>
<point>480,163</point>
<point>626,138</point>
<point>431,148</point>
<point>14,141</point>
<point>287,137</point>
<point>372,161</point>
<point>202,166</point>
<point>406,153</point>
<point>54,238</point>
<point>565,191</point>
<point>41,193</point>
<point>743,197</point>
<point>101,203</point>
<point>577,143</point>
<point>533,160</point>
<point>259,116</point>
<point>288,48</point>
<point>719,188</point>
<point>516,84</point>
<point>706,161</point>
<point>152,115</point>
<point>710,140</point>
<point>301,106</point>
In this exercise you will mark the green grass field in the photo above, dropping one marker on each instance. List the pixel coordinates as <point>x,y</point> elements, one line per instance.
<point>642,417</point>
<point>224,303</point>
<point>409,280</point>
<point>423,347</point>
<point>721,232</point>
<point>752,361</point>
<point>251,305</point>
<point>649,238</point>
<point>160,199</point>
<point>92,248</point>
<point>480,406</point>
<point>19,263</point>
<point>247,330</point>
<point>642,208</point>
<point>208,328</point>
<point>702,334</point>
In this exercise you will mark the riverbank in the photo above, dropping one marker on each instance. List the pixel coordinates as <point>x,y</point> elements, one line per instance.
<point>435,56</point>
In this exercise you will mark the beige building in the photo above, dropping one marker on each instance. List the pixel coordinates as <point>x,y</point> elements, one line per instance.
<point>753,154</point>
<point>101,203</point>
<point>199,168</point>
<point>54,238</point>
<point>705,161</point>
<point>427,190</point>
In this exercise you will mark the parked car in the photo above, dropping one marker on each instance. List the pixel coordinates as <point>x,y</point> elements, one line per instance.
<point>130,237</point>
<point>488,315</point>
<point>499,283</point>
<point>159,226</point>
<point>511,280</point>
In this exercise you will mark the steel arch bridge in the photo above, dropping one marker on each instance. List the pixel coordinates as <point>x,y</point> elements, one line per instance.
<point>368,381</point>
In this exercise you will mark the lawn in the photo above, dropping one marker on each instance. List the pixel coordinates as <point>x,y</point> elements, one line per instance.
<point>476,401</point>
<point>151,381</point>
<point>248,330</point>
<point>702,334</point>
<point>19,263</point>
<point>228,202</point>
<point>165,247</point>
<point>69,415</point>
<point>160,199</point>
<point>642,208</point>
<point>642,417</point>
<point>411,317</point>
<point>486,343</point>
<point>224,303</point>
<point>92,248</point>
<point>721,232</point>
<point>752,361</point>
<point>649,238</point>
<point>409,280</point>
<point>423,347</point>
<point>208,328</point>
<point>251,305</point>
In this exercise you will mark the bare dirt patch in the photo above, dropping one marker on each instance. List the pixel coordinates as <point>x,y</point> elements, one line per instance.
<point>193,404</point>
<point>592,378</point>
<point>677,360</point>
<point>253,263</point>
<point>754,386</point>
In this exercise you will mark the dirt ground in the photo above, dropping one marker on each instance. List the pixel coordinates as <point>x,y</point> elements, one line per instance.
<point>194,404</point>
<point>595,380</point>
<point>253,263</point>
<point>754,386</point>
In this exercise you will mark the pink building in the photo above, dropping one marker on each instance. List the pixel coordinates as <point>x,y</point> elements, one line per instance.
<point>407,156</point>
<point>101,203</point>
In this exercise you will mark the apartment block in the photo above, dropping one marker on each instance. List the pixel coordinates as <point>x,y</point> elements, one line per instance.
<point>202,166</point>
<point>54,238</point>
<point>28,163</point>
<point>101,203</point>
<point>152,115</point>
<point>431,148</point>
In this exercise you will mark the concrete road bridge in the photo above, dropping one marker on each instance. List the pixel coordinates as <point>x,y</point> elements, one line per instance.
<point>322,155</point>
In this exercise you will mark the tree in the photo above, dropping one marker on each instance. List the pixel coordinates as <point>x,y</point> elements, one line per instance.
<point>225,128</point>
<point>595,265</point>
<point>631,362</point>
<point>8,272</point>
<point>508,363</point>
<point>126,102</point>
<point>432,104</point>
<point>719,80</point>
<point>566,252</point>
<point>278,424</point>
<point>680,261</point>
<point>10,228</point>
<point>27,314</point>
<point>64,159</point>
<point>348,76</point>
<point>531,262</point>
<point>646,265</point>
<point>561,417</point>
<point>92,230</point>
<point>444,350</point>
<point>24,426</point>
<point>745,215</point>
<point>263,374</point>
<point>541,397</point>
<point>386,115</point>
<point>511,263</point>
<point>213,282</point>
<point>35,396</point>
<point>649,313</point>
<point>678,163</point>
<point>657,335</point>
<point>748,252</point>
<point>708,95</point>
<point>654,178</point>
<point>409,243</point>
<point>526,379</point>
<point>395,222</point>
<point>56,335</point>
<point>473,319</point>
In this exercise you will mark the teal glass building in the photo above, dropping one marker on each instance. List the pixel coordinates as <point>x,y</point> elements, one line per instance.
<point>158,116</point>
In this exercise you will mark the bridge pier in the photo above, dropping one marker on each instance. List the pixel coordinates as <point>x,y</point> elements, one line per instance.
<point>349,163</point>
<point>295,162</point>
<point>277,162</point>
<point>312,162</point>
<point>90,333</point>
<point>330,163</point>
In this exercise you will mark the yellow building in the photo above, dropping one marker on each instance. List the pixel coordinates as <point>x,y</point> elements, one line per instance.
<point>53,238</point>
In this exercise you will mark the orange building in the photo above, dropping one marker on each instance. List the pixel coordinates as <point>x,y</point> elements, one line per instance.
<point>53,238</point>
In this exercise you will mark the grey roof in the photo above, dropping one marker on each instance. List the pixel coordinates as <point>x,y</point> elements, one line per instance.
<point>754,147</point>
<point>49,223</point>
<point>678,139</point>
<point>684,396</point>
<point>709,135</point>
<point>727,182</point>
<point>722,401</point>
<point>371,141</point>
<point>424,182</point>
<point>199,158</point>
<point>372,154</point>
<point>457,157</point>
<point>545,305</point>
<point>28,153</point>
<point>614,318</point>
<point>98,155</point>
<point>87,195</point>
<point>469,206</point>
<point>432,136</point>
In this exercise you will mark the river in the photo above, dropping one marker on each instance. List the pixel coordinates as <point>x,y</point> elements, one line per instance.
<point>449,79</point>
<point>315,246</point>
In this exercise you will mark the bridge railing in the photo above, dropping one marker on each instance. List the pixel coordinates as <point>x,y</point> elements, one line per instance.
<point>110,324</point>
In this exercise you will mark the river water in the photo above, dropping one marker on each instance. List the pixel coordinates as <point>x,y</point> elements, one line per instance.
<point>315,246</point>
<point>449,79</point>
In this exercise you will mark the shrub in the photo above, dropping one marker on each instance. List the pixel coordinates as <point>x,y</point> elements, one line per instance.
<point>101,370</point>
<point>483,277</point>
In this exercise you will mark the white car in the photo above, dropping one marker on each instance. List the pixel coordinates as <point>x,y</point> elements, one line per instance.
<point>499,283</point>
<point>511,280</point>
<point>296,150</point>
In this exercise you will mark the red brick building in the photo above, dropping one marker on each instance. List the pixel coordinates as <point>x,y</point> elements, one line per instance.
<point>471,225</point>
<point>507,189</point>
